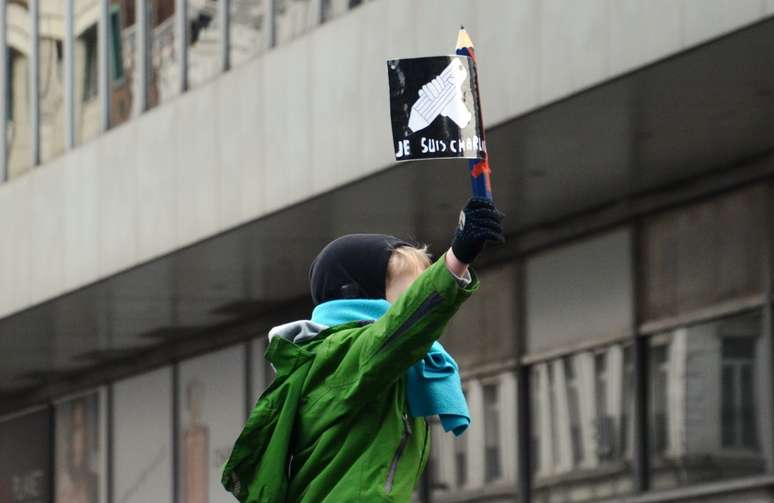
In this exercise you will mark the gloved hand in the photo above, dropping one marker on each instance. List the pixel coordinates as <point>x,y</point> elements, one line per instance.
<point>479,223</point>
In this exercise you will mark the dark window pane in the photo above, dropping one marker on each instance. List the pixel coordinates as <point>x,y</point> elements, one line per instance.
<point>460,468</point>
<point>747,411</point>
<point>493,471</point>
<point>491,418</point>
<point>86,71</point>
<point>741,348</point>
<point>51,84</point>
<point>122,57</point>
<point>658,404</point>
<point>728,407</point>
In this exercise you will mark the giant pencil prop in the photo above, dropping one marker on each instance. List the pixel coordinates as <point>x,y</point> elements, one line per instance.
<point>480,172</point>
<point>436,112</point>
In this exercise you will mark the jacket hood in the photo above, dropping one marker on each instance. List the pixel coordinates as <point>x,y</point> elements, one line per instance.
<point>297,331</point>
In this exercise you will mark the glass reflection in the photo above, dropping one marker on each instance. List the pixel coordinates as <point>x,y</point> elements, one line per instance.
<point>51,79</point>
<point>709,402</point>
<point>86,70</point>
<point>164,78</point>
<point>203,41</point>
<point>19,124</point>
<point>492,453</point>
<point>334,8</point>
<point>293,17</point>
<point>121,44</point>
<point>582,416</point>
<point>78,452</point>
<point>247,22</point>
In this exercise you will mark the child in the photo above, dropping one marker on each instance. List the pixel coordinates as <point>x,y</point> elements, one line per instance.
<point>335,425</point>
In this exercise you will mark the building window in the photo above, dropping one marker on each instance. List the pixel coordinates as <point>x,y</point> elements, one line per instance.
<point>604,422</point>
<point>706,391</point>
<point>581,413</point>
<point>659,390</point>
<point>573,405</point>
<point>626,433</point>
<point>116,51</point>
<point>737,398</point>
<point>90,72</point>
<point>13,55</point>
<point>492,452</point>
<point>538,423</point>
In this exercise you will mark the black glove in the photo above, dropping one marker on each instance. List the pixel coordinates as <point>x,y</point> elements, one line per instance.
<point>479,223</point>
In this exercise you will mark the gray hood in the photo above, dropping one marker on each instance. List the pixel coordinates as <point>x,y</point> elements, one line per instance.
<point>297,331</point>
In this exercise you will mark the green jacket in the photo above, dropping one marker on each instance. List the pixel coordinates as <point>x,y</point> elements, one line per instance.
<point>334,426</point>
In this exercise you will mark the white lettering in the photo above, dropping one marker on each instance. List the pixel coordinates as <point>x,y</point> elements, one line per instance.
<point>404,148</point>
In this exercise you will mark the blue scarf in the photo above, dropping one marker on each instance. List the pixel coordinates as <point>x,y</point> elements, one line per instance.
<point>433,385</point>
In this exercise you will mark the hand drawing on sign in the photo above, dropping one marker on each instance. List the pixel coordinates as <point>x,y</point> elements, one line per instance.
<point>441,96</point>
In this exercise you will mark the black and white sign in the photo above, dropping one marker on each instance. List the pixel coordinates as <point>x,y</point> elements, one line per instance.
<point>434,106</point>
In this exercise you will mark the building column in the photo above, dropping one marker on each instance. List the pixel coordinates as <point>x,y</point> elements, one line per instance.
<point>587,394</point>
<point>475,434</point>
<point>508,426</point>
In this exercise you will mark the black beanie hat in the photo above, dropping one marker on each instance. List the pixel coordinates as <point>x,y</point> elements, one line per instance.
<point>352,267</point>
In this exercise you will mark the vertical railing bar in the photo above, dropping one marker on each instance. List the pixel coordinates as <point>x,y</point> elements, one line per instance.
<point>641,445</point>
<point>224,7</point>
<point>69,75</point>
<point>4,105</point>
<point>175,434</point>
<point>181,18</point>
<point>34,80</point>
<point>140,57</point>
<point>523,392</point>
<point>103,34</point>
<point>270,24</point>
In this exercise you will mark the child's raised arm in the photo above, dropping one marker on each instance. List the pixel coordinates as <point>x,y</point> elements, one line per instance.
<point>400,338</point>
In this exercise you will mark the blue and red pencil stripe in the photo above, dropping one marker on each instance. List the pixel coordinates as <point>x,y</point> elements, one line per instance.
<point>480,172</point>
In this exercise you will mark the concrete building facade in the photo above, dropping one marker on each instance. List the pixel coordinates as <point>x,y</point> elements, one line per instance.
<point>171,167</point>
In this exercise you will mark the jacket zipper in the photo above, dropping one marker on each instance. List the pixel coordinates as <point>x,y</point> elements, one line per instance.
<point>425,307</point>
<point>396,459</point>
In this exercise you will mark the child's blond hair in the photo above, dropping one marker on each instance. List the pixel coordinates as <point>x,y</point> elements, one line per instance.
<point>407,259</point>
